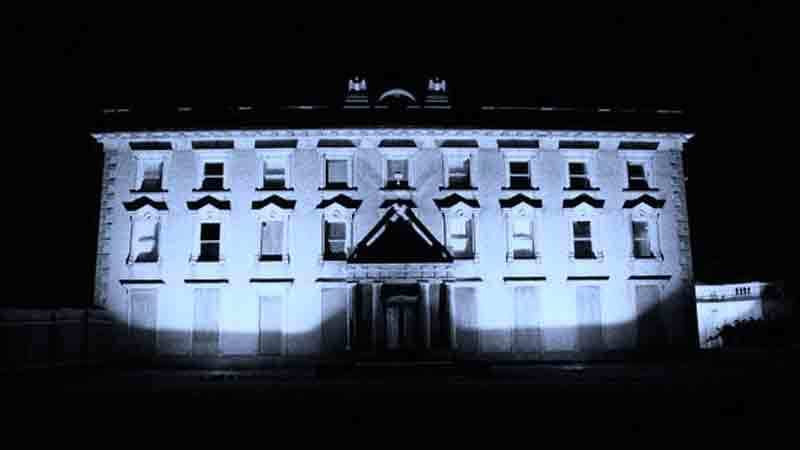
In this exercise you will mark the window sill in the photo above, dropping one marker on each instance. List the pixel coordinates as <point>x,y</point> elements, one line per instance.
<point>274,189</point>
<point>598,258</point>
<point>396,189</point>
<point>640,190</point>
<point>143,264</point>
<point>199,262</point>
<point>272,260</point>
<point>455,189</point>
<point>524,261</point>
<point>211,191</point>
<point>519,190</point>
<point>145,192</point>
<point>338,189</point>
<point>593,189</point>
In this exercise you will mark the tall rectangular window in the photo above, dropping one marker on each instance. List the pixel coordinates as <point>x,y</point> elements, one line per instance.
<point>522,238</point>
<point>274,173</point>
<point>459,238</point>
<point>271,241</point>
<point>335,240</point>
<point>144,241</point>
<point>210,238</point>
<point>641,240</point>
<point>579,176</point>
<point>336,173</point>
<point>213,176</point>
<point>519,175</point>
<point>458,172</point>
<point>637,176</point>
<point>397,173</point>
<point>582,235</point>
<point>152,171</point>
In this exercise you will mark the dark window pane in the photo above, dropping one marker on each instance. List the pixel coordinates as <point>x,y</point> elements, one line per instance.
<point>151,185</point>
<point>635,171</point>
<point>640,230</point>
<point>274,183</point>
<point>641,249</point>
<point>212,184</point>
<point>214,169</point>
<point>582,229</point>
<point>579,183</point>
<point>518,168</point>
<point>209,252</point>
<point>577,169</point>
<point>209,232</point>
<point>583,250</point>
<point>335,230</point>
<point>638,184</point>
<point>518,182</point>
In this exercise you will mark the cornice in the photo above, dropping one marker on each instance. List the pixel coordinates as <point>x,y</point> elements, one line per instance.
<point>355,133</point>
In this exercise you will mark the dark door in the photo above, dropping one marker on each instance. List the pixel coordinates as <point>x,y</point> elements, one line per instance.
<point>402,331</point>
<point>143,321</point>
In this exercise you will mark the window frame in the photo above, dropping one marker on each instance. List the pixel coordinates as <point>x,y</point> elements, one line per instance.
<point>468,154</point>
<point>462,210</point>
<point>146,214</point>
<point>143,157</point>
<point>644,158</point>
<point>587,213</point>
<point>523,211</point>
<point>203,157</point>
<point>529,156</point>
<point>336,213</point>
<point>652,216</point>
<point>286,157</point>
<point>347,154</point>
<point>210,214</point>
<point>273,213</point>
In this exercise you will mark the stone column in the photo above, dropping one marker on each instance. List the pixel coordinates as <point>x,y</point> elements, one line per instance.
<point>425,303</point>
<point>376,299</point>
<point>451,313</point>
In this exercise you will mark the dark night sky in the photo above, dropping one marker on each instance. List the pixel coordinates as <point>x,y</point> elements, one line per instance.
<point>708,62</point>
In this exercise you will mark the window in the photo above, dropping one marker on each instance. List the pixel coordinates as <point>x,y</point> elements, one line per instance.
<point>637,177</point>
<point>271,241</point>
<point>519,175</point>
<point>274,173</point>
<point>336,176</point>
<point>152,172</point>
<point>335,240</point>
<point>579,176</point>
<point>582,235</point>
<point>522,238</point>
<point>458,172</point>
<point>459,239</point>
<point>144,241</point>
<point>210,239</point>
<point>213,176</point>
<point>641,240</point>
<point>397,173</point>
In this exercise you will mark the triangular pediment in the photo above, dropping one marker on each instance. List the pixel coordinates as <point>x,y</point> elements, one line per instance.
<point>399,237</point>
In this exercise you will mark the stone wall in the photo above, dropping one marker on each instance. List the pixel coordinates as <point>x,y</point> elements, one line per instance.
<point>38,338</point>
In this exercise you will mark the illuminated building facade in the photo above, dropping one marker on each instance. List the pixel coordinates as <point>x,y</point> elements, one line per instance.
<point>419,233</point>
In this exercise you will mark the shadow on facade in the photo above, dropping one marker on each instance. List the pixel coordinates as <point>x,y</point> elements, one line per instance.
<point>650,338</point>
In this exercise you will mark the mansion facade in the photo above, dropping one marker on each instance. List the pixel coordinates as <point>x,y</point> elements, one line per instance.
<point>381,241</point>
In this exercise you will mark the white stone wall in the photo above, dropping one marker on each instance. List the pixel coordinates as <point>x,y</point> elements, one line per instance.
<point>239,305</point>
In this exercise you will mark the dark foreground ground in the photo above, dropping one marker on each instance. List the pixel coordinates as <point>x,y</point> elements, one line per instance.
<point>748,394</point>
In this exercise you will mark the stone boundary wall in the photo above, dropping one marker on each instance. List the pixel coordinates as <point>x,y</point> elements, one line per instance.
<point>44,338</point>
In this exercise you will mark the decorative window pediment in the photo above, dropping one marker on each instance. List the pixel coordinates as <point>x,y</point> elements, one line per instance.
<point>644,201</point>
<point>143,205</point>
<point>208,203</point>
<point>583,202</point>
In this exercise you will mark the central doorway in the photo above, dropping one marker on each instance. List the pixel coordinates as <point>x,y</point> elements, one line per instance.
<point>402,332</point>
